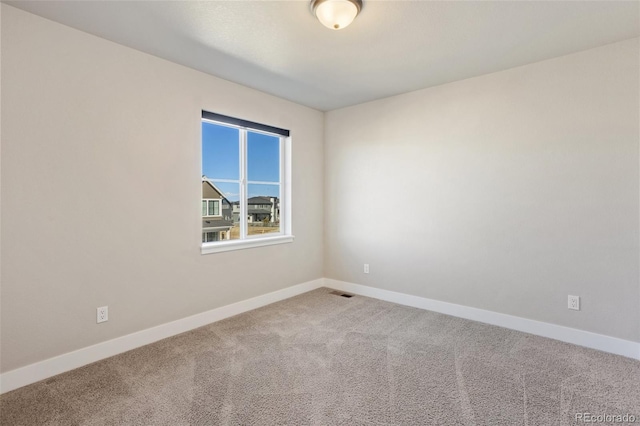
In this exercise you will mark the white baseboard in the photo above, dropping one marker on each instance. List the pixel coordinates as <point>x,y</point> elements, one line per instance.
<point>566,334</point>
<point>53,366</point>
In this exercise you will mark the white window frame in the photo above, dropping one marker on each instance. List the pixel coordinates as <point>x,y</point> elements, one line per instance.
<point>246,241</point>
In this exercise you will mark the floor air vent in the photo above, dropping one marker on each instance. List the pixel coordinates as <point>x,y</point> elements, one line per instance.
<point>341,294</point>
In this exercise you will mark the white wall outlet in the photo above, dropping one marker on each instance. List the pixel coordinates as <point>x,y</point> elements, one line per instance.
<point>574,303</point>
<point>102,314</point>
<point>366,268</point>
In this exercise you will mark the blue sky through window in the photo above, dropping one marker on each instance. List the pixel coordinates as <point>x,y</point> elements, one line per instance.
<point>220,160</point>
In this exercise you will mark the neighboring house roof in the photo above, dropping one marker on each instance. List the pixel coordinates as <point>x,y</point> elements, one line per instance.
<point>205,181</point>
<point>259,211</point>
<point>259,200</point>
<point>216,224</point>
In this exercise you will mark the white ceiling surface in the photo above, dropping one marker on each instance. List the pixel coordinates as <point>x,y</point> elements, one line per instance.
<point>392,47</point>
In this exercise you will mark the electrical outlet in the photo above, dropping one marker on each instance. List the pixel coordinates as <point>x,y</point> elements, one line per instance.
<point>366,268</point>
<point>102,314</point>
<point>574,303</point>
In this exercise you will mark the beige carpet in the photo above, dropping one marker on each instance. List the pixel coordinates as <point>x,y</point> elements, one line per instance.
<point>321,359</point>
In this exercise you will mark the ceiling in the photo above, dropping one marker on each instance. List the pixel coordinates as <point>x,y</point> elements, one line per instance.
<point>392,47</point>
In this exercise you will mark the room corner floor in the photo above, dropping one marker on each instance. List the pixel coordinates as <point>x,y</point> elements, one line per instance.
<point>322,359</point>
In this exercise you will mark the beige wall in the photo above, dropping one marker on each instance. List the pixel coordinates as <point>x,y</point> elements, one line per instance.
<point>504,192</point>
<point>101,191</point>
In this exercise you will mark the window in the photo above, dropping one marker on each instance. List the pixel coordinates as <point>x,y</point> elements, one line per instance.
<point>208,237</point>
<point>245,185</point>
<point>210,207</point>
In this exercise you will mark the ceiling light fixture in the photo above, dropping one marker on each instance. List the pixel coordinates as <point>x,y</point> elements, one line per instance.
<point>336,14</point>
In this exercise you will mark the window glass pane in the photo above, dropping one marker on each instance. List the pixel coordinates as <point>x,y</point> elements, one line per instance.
<point>227,224</point>
<point>204,208</point>
<point>263,209</point>
<point>263,157</point>
<point>220,151</point>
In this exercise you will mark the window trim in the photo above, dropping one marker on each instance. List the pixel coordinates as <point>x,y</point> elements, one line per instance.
<point>229,245</point>
<point>285,235</point>
<point>246,124</point>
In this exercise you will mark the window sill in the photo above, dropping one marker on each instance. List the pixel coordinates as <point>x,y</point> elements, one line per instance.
<point>220,246</point>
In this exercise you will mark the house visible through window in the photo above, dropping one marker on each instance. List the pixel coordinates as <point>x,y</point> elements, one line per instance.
<point>243,175</point>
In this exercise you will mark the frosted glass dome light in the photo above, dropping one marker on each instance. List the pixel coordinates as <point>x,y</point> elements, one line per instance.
<point>336,14</point>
